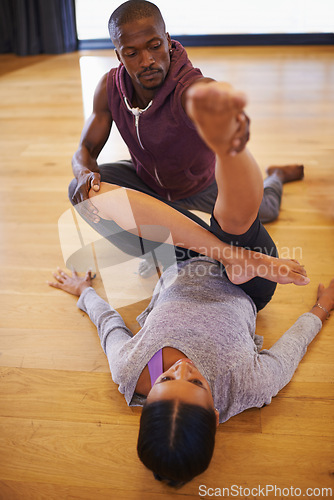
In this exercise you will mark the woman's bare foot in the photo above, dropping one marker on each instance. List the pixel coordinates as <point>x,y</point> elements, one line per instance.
<point>246,264</point>
<point>74,284</point>
<point>287,173</point>
<point>214,108</point>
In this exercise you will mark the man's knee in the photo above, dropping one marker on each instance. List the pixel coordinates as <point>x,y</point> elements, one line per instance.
<point>268,211</point>
<point>271,201</point>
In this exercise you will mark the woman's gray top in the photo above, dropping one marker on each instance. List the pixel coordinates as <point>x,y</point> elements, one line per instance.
<point>197,310</point>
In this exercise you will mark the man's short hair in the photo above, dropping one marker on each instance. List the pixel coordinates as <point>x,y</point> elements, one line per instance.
<point>132,11</point>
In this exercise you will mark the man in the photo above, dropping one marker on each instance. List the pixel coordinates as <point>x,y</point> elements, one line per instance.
<point>145,96</point>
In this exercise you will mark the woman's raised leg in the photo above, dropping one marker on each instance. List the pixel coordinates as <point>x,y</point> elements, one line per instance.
<point>214,108</point>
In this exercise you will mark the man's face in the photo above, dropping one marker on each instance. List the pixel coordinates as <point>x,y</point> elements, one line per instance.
<point>143,47</point>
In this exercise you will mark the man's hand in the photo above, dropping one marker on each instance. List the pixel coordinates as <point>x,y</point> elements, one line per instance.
<point>241,137</point>
<point>87,181</point>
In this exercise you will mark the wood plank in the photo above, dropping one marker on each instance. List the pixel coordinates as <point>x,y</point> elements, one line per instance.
<point>85,397</point>
<point>308,390</point>
<point>17,490</point>
<point>307,417</point>
<point>63,349</point>
<point>65,453</point>
<point>252,459</point>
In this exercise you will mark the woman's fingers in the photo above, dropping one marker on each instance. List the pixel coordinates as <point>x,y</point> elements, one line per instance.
<point>320,289</point>
<point>57,277</point>
<point>74,273</point>
<point>64,279</point>
<point>54,285</point>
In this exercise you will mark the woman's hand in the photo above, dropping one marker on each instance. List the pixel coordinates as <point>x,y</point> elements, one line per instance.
<point>325,301</point>
<point>74,284</point>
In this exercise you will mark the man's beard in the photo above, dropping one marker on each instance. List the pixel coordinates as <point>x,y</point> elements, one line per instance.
<point>150,87</point>
<point>155,87</point>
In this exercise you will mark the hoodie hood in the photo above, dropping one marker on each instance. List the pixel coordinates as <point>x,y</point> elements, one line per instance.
<point>180,65</point>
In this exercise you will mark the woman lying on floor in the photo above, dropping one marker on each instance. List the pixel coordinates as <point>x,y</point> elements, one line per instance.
<point>196,360</point>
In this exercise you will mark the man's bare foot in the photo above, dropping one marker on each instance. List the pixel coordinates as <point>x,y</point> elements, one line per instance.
<point>246,264</point>
<point>214,108</point>
<point>287,173</point>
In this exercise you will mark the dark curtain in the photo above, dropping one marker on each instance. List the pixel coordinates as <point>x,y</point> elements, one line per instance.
<point>29,27</point>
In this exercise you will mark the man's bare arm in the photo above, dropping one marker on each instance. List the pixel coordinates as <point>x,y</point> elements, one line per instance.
<point>94,136</point>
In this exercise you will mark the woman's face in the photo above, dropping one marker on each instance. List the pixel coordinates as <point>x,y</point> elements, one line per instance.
<point>184,382</point>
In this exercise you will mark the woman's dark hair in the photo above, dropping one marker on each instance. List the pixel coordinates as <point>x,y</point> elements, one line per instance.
<point>176,440</point>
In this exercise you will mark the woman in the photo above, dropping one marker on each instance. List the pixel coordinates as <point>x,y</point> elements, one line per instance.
<point>196,360</point>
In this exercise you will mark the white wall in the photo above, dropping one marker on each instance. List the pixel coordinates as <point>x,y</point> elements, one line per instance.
<point>193,17</point>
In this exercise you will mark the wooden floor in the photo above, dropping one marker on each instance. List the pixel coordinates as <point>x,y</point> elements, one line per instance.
<point>66,432</point>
